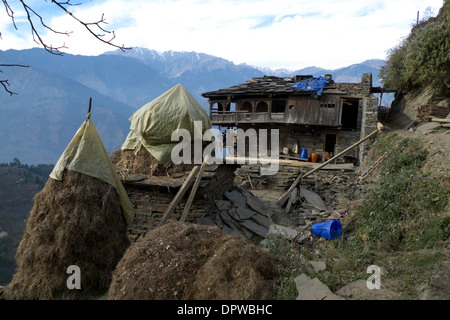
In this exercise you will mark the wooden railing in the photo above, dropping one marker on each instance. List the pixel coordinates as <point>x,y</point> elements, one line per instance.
<point>245,117</point>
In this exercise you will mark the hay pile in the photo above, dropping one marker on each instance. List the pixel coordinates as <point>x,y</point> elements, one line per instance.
<point>129,162</point>
<point>76,221</point>
<point>188,261</point>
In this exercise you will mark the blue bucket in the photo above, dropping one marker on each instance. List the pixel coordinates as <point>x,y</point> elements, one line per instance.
<point>330,229</point>
<point>304,154</point>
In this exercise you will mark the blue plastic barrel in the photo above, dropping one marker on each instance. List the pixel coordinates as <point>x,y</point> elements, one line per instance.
<point>330,229</point>
<point>304,154</point>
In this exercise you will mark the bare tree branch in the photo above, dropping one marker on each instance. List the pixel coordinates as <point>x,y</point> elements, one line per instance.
<point>95,28</point>
<point>36,36</point>
<point>5,83</point>
<point>9,12</point>
<point>89,25</point>
<point>12,65</point>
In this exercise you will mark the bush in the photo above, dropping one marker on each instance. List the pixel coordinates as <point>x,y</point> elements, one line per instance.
<point>421,60</point>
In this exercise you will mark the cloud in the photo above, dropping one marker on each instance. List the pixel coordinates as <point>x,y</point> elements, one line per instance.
<point>267,33</point>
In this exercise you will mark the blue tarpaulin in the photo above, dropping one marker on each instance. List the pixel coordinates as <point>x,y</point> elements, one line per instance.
<point>311,84</point>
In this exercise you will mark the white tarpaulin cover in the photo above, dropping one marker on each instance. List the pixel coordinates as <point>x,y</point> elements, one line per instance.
<point>153,124</point>
<point>86,154</point>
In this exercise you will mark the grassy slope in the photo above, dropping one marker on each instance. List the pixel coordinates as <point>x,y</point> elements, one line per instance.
<point>407,234</point>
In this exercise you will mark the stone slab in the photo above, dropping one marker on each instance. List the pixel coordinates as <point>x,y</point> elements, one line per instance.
<point>319,265</point>
<point>313,289</point>
<point>255,228</point>
<point>282,231</point>
<point>428,127</point>
<point>357,290</point>
<point>313,198</point>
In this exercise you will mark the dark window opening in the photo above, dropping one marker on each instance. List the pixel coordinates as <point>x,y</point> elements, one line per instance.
<point>262,107</point>
<point>278,106</point>
<point>246,106</point>
<point>329,146</point>
<point>349,119</point>
<point>330,142</point>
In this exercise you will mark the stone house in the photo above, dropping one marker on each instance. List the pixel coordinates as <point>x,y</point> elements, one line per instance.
<point>323,122</point>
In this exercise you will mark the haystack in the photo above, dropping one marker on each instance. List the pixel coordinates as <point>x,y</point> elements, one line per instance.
<point>188,261</point>
<point>154,123</point>
<point>142,162</point>
<point>79,219</point>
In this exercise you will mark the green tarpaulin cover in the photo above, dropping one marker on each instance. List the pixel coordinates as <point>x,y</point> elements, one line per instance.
<point>86,154</point>
<point>153,124</point>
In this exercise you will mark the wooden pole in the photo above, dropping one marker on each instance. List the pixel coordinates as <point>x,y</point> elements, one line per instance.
<point>441,120</point>
<point>193,191</point>
<point>90,106</point>
<point>285,196</point>
<point>178,196</point>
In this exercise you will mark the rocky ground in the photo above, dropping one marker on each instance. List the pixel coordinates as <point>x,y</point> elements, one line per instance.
<point>295,225</point>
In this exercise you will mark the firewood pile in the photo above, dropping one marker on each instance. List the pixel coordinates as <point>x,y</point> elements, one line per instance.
<point>426,112</point>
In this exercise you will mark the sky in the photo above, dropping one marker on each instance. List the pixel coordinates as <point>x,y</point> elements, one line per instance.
<point>290,34</point>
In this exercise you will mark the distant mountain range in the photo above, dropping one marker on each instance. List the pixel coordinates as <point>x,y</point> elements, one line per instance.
<point>53,93</point>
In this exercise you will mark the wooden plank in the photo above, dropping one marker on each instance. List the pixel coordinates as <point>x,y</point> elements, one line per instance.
<point>372,167</point>
<point>179,196</point>
<point>293,158</point>
<point>156,207</point>
<point>253,161</point>
<point>133,179</point>
<point>194,190</point>
<point>338,166</point>
<point>285,196</point>
<point>441,120</point>
<point>293,198</point>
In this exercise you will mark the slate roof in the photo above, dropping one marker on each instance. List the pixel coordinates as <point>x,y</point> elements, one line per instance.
<point>262,85</point>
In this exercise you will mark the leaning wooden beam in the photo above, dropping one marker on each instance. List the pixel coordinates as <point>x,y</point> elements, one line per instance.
<point>372,167</point>
<point>178,196</point>
<point>193,191</point>
<point>285,196</point>
<point>441,120</point>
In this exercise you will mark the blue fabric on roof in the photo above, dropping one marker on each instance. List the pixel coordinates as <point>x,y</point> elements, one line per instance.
<point>311,84</point>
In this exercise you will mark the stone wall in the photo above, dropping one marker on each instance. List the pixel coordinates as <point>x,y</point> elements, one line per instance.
<point>331,185</point>
<point>369,123</point>
<point>358,89</point>
<point>314,141</point>
<point>151,200</point>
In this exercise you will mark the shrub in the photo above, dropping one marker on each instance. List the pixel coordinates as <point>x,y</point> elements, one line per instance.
<point>422,59</point>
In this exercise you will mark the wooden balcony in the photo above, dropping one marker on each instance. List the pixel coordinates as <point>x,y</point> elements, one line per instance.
<point>235,117</point>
